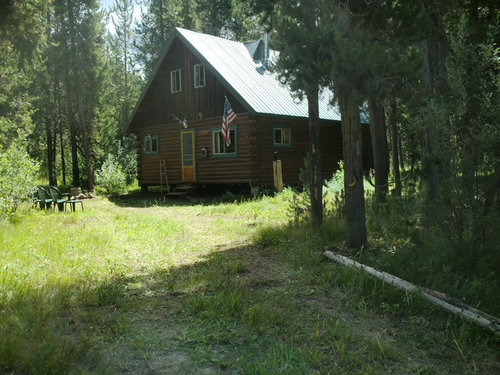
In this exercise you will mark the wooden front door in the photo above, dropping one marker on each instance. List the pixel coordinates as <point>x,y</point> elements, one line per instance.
<point>188,158</point>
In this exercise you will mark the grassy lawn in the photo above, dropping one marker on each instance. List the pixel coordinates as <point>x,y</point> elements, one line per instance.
<point>195,287</point>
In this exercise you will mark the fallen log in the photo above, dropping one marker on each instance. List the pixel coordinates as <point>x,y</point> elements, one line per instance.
<point>440,299</point>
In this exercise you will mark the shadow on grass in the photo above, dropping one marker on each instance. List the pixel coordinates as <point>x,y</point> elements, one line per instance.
<point>190,319</point>
<point>153,199</point>
<point>273,308</point>
<point>145,200</point>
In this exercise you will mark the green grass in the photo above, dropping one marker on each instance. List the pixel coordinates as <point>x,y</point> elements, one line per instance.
<point>209,287</point>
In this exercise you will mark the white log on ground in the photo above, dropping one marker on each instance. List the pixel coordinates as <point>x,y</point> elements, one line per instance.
<point>467,312</point>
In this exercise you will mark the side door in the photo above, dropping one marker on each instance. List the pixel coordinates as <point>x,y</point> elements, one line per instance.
<point>188,156</point>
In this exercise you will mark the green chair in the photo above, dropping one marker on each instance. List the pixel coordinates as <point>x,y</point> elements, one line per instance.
<point>44,198</point>
<point>35,200</point>
<point>62,199</point>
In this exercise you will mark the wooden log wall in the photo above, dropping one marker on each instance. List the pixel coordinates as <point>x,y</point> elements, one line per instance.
<point>293,157</point>
<point>209,169</point>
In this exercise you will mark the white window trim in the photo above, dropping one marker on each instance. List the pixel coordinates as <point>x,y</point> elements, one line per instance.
<point>196,84</point>
<point>172,80</point>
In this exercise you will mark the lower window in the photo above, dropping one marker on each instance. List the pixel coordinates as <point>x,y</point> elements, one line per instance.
<point>219,146</point>
<point>282,136</point>
<point>151,144</point>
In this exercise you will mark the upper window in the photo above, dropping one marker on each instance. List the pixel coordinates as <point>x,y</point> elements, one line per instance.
<point>199,75</point>
<point>151,144</point>
<point>282,136</point>
<point>219,143</point>
<point>175,80</point>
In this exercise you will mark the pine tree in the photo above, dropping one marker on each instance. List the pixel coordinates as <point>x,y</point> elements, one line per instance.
<point>79,32</point>
<point>298,34</point>
<point>121,47</point>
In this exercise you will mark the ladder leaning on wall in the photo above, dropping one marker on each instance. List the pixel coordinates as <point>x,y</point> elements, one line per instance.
<point>163,176</point>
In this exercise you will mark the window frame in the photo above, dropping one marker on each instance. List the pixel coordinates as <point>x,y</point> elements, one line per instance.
<point>214,133</point>
<point>151,151</point>
<point>281,128</point>
<point>202,68</point>
<point>173,73</point>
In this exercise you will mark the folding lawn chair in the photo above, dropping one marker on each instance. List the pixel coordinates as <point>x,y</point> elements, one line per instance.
<point>43,198</point>
<point>62,199</point>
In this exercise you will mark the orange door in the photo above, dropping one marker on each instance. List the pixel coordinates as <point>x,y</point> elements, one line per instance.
<point>188,156</point>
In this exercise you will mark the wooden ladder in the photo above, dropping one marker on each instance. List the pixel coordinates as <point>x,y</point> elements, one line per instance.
<point>163,176</point>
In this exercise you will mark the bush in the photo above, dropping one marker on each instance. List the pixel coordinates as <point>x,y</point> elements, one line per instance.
<point>17,177</point>
<point>111,176</point>
<point>127,157</point>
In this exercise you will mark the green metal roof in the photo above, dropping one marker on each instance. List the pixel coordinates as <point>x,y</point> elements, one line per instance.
<point>249,81</point>
<point>255,86</point>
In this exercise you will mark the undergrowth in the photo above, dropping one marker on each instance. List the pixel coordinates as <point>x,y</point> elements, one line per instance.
<point>239,287</point>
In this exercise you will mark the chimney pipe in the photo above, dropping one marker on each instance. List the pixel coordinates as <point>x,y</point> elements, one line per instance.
<point>266,45</point>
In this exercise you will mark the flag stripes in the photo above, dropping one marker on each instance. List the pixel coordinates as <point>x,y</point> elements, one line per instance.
<point>228,117</point>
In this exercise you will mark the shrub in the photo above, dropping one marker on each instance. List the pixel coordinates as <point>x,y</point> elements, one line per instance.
<point>111,176</point>
<point>17,177</point>
<point>126,156</point>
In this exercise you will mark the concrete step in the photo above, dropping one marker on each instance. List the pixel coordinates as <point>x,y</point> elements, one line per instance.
<point>177,194</point>
<point>187,189</point>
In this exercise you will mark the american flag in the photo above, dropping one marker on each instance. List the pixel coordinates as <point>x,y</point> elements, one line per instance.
<point>227,119</point>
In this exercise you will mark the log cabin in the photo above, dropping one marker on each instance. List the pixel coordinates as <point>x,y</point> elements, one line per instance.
<point>178,117</point>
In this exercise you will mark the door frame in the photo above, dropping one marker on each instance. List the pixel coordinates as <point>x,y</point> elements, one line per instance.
<point>184,132</point>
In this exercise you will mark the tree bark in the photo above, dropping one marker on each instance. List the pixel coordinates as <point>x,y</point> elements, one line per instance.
<point>353,170</point>
<point>63,158</point>
<point>50,129</point>
<point>316,182</point>
<point>74,154</point>
<point>395,148</point>
<point>430,148</point>
<point>379,148</point>
<point>61,138</point>
<point>70,93</point>
<point>86,126</point>
<point>400,151</point>
<point>87,148</point>
<point>50,154</point>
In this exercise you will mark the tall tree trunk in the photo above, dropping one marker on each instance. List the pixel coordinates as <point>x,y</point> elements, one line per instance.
<point>50,153</point>
<point>400,150</point>
<point>61,137</point>
<point>353,169</point>
<point>70,92</point>
<point>87,149</point>
<point>434,59</point>
<point>86,127</point>
<point>430,144</point>
<point>50,131</point>
<point>74,154</point>
<point>73,129</point>
<point>379,148</point>
<point>54,153</point>
<point>395,148</point>
<point>316,183</point>
<point>63,157</point>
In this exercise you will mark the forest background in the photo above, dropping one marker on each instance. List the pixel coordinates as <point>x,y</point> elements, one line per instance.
<point>430,71</point>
